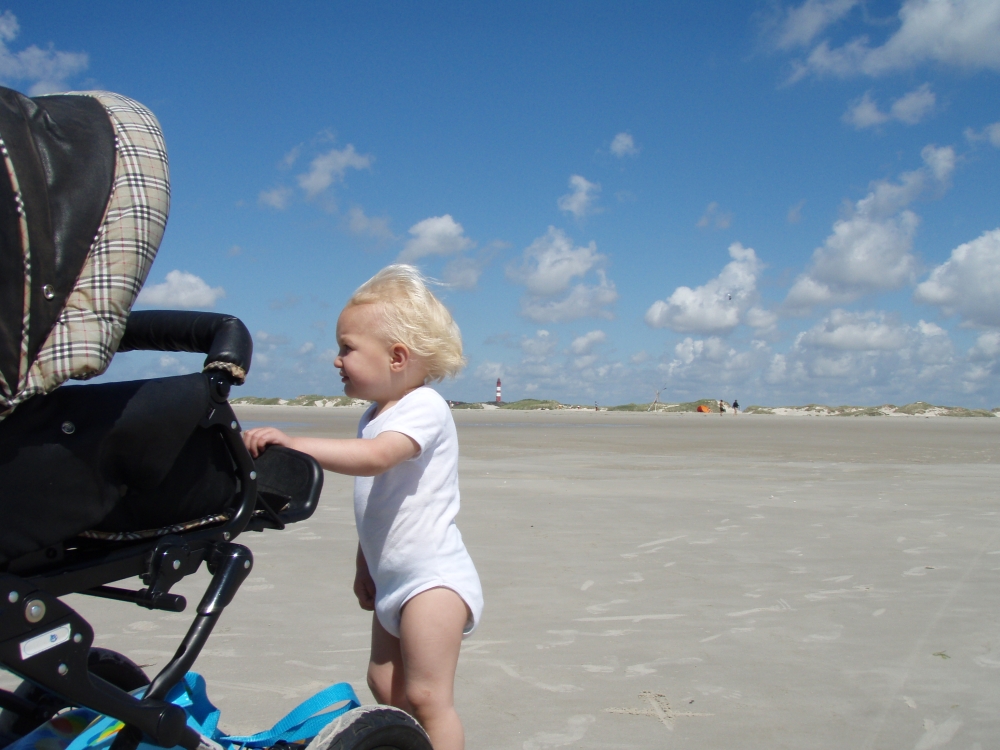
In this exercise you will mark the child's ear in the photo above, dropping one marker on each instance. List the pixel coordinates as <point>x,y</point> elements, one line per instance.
<point>399,357</point>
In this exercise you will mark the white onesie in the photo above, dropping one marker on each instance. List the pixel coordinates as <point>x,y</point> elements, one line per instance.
<point>406,516</point>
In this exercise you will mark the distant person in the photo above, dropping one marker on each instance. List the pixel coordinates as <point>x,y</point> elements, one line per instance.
<point>722,407</point>
<point>413,569</point>
<point>736,407</point>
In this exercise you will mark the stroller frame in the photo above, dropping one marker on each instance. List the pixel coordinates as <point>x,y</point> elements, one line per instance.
<point>109,481</point>
<point>46,642</point>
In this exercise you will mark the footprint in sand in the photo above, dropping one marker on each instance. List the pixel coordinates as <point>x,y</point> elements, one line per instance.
<point>576,728</point>
<point>143,626</point>
<point>635,578</point>
<point>936,735</point>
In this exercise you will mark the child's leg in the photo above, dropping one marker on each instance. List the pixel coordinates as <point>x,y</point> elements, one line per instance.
<point>385,669</point>
<point>430,639</point>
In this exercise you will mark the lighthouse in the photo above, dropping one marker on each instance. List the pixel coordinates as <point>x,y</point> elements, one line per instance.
<point>498,391</point>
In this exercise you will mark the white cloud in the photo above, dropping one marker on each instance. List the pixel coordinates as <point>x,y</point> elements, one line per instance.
<point>271,339</point>
<point>777,370</point>
<point>701,366</point>
<point>285,303</point>
<point>716,217</point>
<point>438,235</point>
<point>9,27</point>
<point>959,33</point>
<point>717,306</point>
<point>804,23</point>
<point>583,301</point>
<point>624,145</point>
<point>548,269</point>
<point>306,348</point>
<point>44,70</point>
<point>864,113</point>
<point>859,358</point>
<point>855,351</point>
<point>289,159</point>
<point>909,109</point>
<point>490,371</point>
<point>941,161</point>
<point>538,346</point>
<point>794,215</point>
<point>376,227</point>
<point>464,273</point>
<point>762,319</point>
<point>551,263</point>
<point>870,248</point>
<point>968,283</point>
<point>546,369</point>
<point>181,290</point>
<point>331,167</point>
<point>171,364</point>
<point>864,254</point>
<point>987,347</point>
<point>581,198</point>
<point>277,198</point>
<point>850,331</point>
<point>583,344</point>
<point>990,133</point>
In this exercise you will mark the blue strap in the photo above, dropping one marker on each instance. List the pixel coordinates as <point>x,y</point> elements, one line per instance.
<point>301,722</point>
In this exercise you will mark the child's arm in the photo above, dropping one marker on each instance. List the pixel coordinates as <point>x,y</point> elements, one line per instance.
<point>356,457</point>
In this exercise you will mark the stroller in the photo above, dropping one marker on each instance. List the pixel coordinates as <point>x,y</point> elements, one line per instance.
<point>100,483</point>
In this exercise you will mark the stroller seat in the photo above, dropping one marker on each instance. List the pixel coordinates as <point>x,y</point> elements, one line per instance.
<point>104,482</point>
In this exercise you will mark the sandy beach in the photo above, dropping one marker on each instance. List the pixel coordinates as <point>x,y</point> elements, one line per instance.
<point>654,581</point>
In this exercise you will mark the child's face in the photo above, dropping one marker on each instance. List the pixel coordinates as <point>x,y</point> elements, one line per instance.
<point>365,359</point>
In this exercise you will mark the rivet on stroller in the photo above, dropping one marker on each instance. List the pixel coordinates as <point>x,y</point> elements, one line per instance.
<point>102,483</point>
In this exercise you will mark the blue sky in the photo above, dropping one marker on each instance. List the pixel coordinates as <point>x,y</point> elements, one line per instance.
<point>777,202</point>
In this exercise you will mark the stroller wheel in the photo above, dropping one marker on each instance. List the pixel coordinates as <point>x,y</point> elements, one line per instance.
<point>372,728</point>
<point>109,665</point>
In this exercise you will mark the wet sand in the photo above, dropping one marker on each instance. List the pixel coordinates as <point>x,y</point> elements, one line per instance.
<point>659,581</point>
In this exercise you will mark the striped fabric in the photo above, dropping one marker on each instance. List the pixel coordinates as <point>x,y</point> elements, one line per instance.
<point>89,329</point>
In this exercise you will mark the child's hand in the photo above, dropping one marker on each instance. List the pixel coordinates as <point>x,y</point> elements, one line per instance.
<point>257,439</point>
<point>364,589</point>
<point>364,584</point>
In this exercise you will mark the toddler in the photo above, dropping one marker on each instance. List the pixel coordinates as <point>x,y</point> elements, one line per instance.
<point>412,567</point>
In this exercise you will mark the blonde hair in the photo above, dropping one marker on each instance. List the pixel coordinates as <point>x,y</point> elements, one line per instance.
<point>411,315</point>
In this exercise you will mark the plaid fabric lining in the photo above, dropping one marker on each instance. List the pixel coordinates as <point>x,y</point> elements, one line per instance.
<point>87,332</point>
<point>6,392</point>
<point>177,528</point>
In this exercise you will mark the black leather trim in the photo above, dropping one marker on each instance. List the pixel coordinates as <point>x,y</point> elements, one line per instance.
<point>223,338</point>
<point>63,152</point>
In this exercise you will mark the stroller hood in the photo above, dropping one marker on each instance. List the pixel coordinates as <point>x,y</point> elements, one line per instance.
<point>84,197</point>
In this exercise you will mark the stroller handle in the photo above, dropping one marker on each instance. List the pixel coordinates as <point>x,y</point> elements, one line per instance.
<point>224,338</point>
